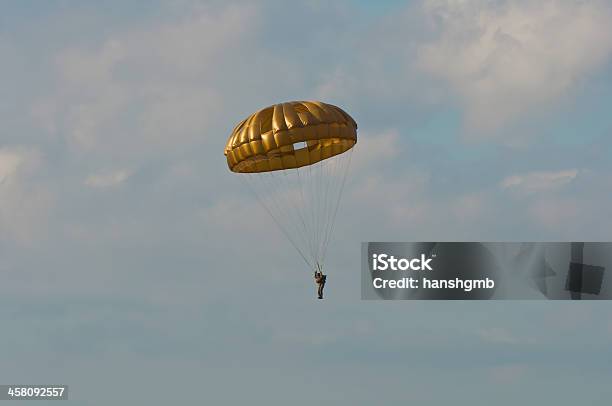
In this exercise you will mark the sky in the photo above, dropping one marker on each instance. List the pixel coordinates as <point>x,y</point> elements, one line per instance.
<point>137,270</point>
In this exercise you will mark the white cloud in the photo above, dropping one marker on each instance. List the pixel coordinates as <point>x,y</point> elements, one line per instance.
<point>90,68</point>
<point>9,162</point>
<point>151,87</point>
<point>397,202</point>
<point>506,60</point>
<point>373,150</point>
<point>106,180</point>
<point>397,199</point>
<point>25,203</point>
<point>539,181</point>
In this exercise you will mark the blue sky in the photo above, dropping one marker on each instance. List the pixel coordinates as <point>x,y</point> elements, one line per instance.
<point>133,259</point>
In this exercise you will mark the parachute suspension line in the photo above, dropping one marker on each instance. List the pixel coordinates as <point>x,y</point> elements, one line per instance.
<point>315,196</point>
<point>304,203</point>
<point>329,211</point>
<point>298,206</point>
<point>345,169</point>
<point>311,192</point>
<point>276,220</point>
<point>277,196</point>
<point>312,195</point>
<point>303,210</point>
<point>333,166</point>
<point>271,205</point>
<point>325,213</point>
<point>333,220</point>
<point>322,213</point>
<point>283,194</point>
<point>320,201</point>
<point>323,191</point>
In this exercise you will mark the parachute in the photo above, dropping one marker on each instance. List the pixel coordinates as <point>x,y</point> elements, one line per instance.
<point>294,157</point>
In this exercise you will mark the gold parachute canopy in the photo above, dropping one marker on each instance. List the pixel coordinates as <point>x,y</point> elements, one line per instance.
<point>289,135</point>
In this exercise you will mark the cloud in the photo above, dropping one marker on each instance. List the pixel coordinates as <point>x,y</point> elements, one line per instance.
<point>90,68</point>
<point>538,181</point>
<point>189,249</point>
<point>153,87</point>
<point>508,60</point>
<point>396,196</point>
<point>9,163</point>
<point>25,201</point>
<point>375,149</point>
<point>398,202</point>
<point>106,180</point>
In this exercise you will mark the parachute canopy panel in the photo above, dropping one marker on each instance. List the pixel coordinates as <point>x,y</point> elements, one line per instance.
<point>289,135</point>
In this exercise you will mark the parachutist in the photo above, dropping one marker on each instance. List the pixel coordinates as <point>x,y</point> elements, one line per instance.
<point>294,157</point>
<point>320,281</point>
